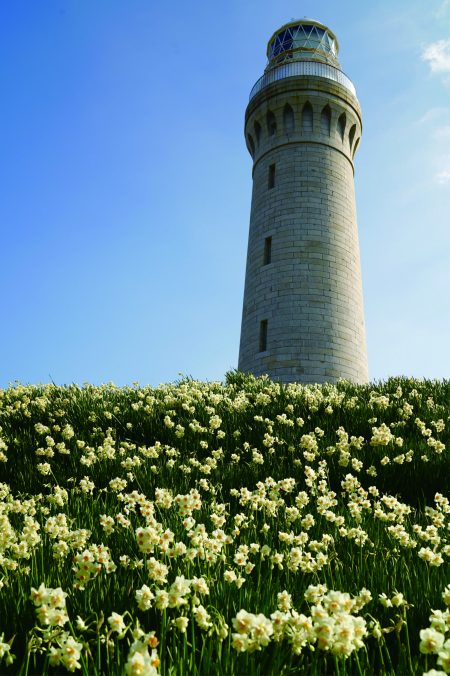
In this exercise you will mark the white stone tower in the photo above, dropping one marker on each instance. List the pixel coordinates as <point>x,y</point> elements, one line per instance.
<point>303,316</point>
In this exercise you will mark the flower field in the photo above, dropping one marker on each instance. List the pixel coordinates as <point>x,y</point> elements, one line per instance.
<point>231,528</point>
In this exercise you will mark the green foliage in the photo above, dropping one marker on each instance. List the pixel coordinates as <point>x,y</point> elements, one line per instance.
<point>256,488</point>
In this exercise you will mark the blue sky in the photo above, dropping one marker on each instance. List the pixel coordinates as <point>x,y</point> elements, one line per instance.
<point>126,184</point>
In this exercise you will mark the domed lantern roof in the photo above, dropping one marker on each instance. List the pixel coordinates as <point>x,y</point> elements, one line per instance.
<point>302,40</point>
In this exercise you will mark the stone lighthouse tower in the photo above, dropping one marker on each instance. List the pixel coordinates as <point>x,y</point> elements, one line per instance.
<point>303,316</point>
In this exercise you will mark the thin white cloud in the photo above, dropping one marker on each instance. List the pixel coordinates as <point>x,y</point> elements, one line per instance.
<point>442,9</point>
<point>443,177</point>
<point>442,132</point>
<point>432,115</point>
<point>438,56</point>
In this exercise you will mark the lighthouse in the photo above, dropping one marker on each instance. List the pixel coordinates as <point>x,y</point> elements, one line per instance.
<point>303,314</point>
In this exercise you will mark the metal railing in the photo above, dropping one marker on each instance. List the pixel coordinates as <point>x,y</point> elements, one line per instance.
<point>302,68</point>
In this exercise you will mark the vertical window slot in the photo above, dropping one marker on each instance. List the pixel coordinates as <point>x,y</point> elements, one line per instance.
<point>271,182</point>
<point>267,250</point>
<point>263,336</point>
<point>325,120</point>
<point>271,123</point>
<point>307,118</point>
<point>257,128</point>
<point>251,144</point>
<point>351,136</point>
<point>342,121</point>
<point>288,119</point>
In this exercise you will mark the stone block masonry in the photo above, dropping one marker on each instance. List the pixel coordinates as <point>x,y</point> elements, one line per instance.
<point>302,132</point>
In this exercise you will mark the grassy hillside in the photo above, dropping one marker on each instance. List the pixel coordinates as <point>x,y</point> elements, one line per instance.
<point>237,528</point>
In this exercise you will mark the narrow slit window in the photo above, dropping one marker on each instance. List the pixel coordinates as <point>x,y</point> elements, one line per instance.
<point>288,119</point>
<point>271,183</point>
<point>263,336</point>
<point>257,128</point>
<point>307,118</point>
<point>251,144</point>
<point>351,136</point>
<point>271,123</point>
<point>342,121</point>
<point>267,250</point>
<point>325,120</point>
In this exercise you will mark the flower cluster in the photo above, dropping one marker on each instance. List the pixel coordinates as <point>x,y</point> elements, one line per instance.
<point>436,639</point>
<point>217,497</point>
<point>89,563</point>
<point>50,606</point>
<point>140,662</point>
<point>331,625</point>
<point>51,612</point>
<point>5,652</point>
<point>66,652</point>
